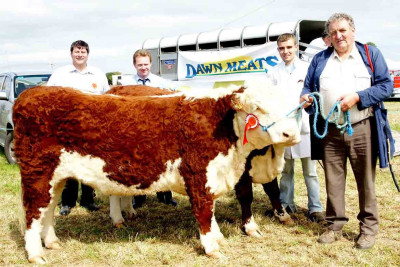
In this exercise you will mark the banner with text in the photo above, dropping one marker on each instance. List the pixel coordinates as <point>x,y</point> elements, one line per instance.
<point>230,64</point>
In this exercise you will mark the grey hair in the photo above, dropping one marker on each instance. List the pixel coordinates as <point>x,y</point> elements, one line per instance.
<point>338,17</point>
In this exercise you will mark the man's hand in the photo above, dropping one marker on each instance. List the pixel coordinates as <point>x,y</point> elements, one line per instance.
<point>306,98</point>
<point>348,101</point>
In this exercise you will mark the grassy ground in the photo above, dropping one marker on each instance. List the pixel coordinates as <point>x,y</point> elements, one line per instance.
<point>164,235</point>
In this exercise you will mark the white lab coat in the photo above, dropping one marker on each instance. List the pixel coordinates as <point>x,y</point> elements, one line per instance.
<point>291,82</point>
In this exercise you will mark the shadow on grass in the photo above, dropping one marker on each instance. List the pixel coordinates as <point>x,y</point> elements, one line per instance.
<point>153,221</point>
<point>164,223</point>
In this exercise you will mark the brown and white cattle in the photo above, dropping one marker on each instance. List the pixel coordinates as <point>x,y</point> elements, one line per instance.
<point>123,145</point>
<point>262,167</point>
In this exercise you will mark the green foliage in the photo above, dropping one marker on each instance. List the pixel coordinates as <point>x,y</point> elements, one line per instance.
<point>110,74</point>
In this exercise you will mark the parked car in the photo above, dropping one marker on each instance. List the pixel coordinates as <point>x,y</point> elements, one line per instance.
<point>11,86</point>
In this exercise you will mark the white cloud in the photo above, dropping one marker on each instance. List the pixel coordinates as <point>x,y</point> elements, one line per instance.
<point>41,31</point>
<point>20,8</point>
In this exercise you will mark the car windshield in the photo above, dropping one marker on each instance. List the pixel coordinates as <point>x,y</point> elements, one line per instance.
<point>27,81</point>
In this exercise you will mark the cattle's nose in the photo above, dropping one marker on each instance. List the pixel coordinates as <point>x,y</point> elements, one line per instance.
<point>290,136</point>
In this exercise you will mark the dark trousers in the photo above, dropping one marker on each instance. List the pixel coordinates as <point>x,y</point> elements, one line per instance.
<point>360,149</point>
<point>70,194</point>
<point>164,197</point>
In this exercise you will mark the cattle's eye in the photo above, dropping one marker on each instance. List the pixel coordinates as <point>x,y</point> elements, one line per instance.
<point>262,110</point>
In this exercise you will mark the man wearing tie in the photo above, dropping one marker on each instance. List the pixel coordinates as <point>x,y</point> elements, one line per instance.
<point>142,64</point>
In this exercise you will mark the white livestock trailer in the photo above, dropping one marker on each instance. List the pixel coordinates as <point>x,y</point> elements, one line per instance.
<point>227,53</point>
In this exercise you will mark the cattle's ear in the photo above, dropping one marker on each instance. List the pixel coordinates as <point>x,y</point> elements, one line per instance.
<point>235,104</point>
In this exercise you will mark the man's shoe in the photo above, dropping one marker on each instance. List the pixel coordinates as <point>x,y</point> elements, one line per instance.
<point>171,202</point>
<point>365,241</point>
<point>316,217</point>
<point>91,207</point>
<point>330,236</point>
<point>168,198</point>
<point>138,201</point>
<point>65,210</point>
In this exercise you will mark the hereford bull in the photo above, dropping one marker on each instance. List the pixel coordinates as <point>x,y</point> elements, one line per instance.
<point>124,145</point>
<point>262,167</point>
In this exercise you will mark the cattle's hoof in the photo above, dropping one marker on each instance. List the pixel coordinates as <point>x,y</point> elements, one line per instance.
<point>38,260</point>
<point>216,255</point>
<point>255,233</point>
<point>130,215</point>
<point>283,217</point>
<point>120,225</point>
<point>222,242</point>
<point>54,245</point>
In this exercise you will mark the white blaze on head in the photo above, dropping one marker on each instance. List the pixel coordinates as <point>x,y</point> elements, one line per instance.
<point>262,99</point>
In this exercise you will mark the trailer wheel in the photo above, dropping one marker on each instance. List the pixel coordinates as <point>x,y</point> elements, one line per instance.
<point>9,149</point>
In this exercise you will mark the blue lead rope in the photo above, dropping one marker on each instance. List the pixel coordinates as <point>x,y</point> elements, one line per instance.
<point>297,110</point>
<point>335,110</point>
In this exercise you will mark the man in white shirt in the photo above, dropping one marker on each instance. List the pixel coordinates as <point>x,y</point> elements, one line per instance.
<point>142,63</point>
<point>289,77</point>
<point>89,80</point>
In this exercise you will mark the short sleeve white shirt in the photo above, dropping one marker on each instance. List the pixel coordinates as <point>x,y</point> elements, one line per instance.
<point>341,77</point>
<point>91,80</point>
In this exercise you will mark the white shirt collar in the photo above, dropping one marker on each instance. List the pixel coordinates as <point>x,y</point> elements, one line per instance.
<point>137,77</point>
<point>87,70</point>
<point>353,54</point>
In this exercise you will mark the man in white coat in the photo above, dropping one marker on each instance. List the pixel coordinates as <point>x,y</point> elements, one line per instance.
<point>289,76</point>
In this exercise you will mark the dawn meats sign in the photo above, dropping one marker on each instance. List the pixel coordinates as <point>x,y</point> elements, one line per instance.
<point>232,62</point>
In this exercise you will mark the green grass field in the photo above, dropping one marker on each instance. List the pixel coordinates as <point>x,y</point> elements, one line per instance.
<point>165,235</point>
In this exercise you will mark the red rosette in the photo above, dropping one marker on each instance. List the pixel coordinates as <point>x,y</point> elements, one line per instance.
<point>251,123</point>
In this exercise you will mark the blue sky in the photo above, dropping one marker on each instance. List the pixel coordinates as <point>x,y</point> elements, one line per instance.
<point>36,34</point>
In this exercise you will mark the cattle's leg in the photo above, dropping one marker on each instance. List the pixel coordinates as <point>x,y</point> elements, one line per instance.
<point>33,243</point>
<point>126,206</point>
<point>115,211</point>
<point>272,190</point>
<point>244,194</point>
<point>119,204</point>
<point>43,225</point>
<point>203,205</point>
<point>216,231</point>
<point>48,234</point>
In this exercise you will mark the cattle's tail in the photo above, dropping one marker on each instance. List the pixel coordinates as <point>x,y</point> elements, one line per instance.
<point>21,213</point>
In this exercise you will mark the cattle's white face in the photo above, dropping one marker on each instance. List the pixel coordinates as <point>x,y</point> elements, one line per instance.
<point>263,100</point>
